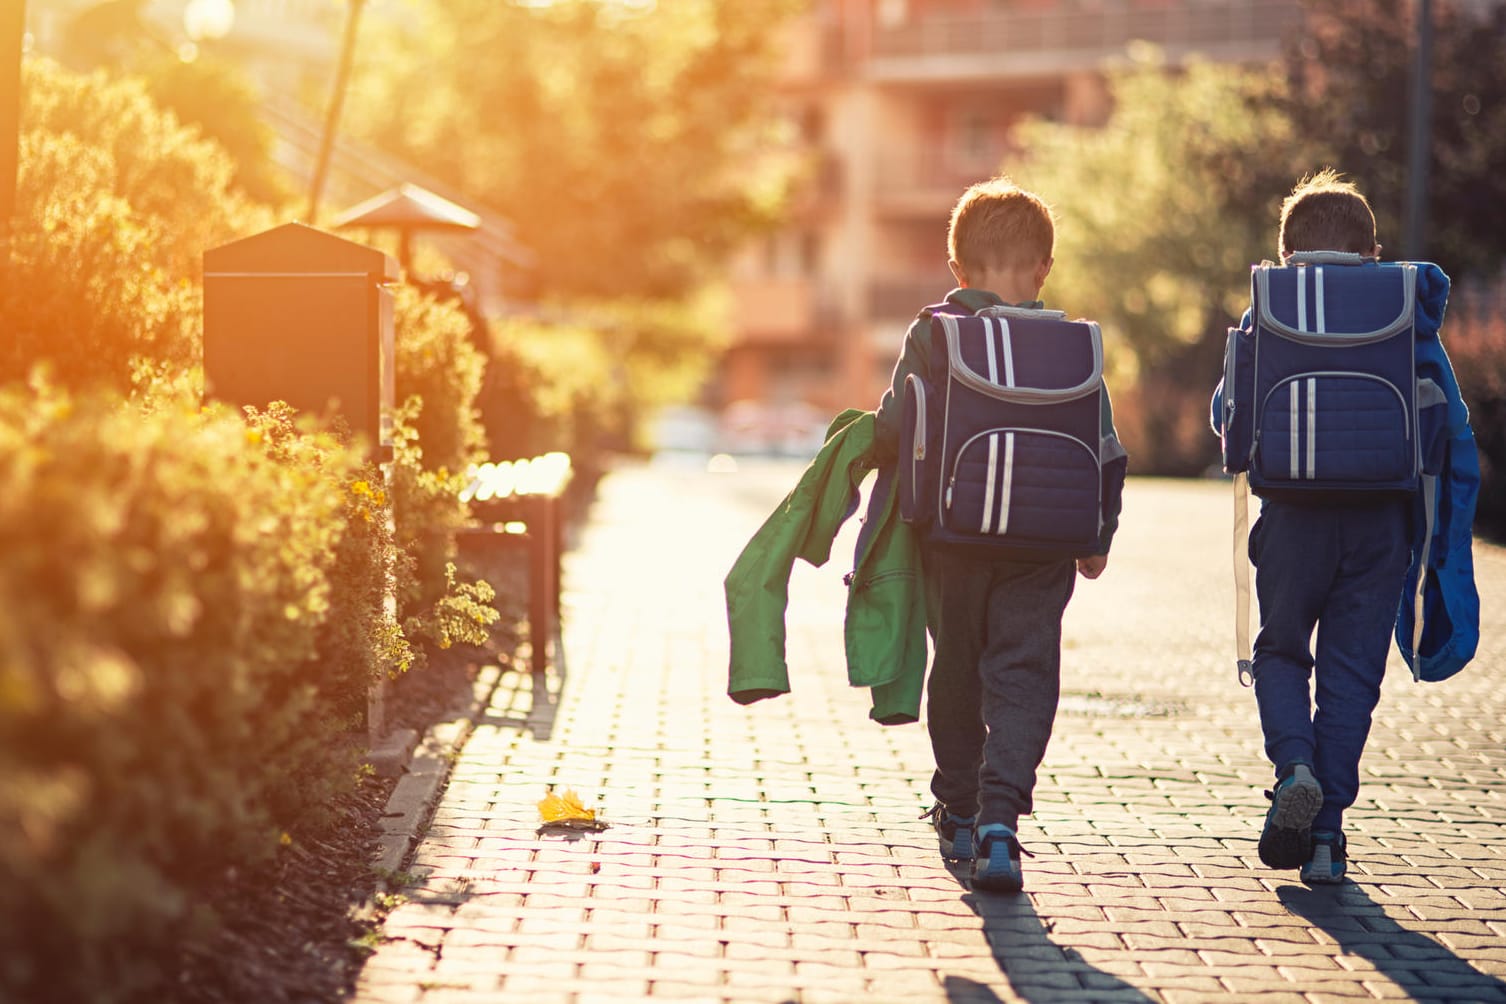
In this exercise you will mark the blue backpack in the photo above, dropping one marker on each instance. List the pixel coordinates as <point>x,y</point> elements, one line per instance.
<point>1002,451</point>
<point>1320,389</point>
<point>1321,399</point>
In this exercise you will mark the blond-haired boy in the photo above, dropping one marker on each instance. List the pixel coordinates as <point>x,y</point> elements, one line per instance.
<point>996,672</point>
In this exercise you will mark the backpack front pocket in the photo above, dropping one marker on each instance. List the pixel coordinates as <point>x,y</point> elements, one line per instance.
<point>916,490</point>
<point>1237,419</point>
<point>1031,484</point>
<point>1336,427</point>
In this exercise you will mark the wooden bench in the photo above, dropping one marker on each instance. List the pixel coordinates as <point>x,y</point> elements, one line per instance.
<point>521,500</point>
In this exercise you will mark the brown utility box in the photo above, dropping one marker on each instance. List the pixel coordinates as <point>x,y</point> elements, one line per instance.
<point>299,315</point>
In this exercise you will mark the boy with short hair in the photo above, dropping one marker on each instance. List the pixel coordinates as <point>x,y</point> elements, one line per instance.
<point>1336,564</point>
<point>996,671</point>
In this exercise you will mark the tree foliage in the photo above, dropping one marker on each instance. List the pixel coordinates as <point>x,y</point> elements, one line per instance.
<point>1351,72</point>
<point>216,98</point>
<point>622,140</point>
<point>1161,211</point>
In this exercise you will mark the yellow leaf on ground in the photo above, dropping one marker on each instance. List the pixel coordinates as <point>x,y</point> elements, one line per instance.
<point>564,808</point>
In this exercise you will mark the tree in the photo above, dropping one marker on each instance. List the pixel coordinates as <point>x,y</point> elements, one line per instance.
<point>217,98</point>
<point>623,140</point>
<point>1161,211</point>
<point>1351,76</point>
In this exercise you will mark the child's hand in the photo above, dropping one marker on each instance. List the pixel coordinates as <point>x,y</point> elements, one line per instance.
<point>1092,566</point>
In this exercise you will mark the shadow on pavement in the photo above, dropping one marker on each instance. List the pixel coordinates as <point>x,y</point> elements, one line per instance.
<point>1424,968</point>
<point>1038,969</point>
<point>514,694</point>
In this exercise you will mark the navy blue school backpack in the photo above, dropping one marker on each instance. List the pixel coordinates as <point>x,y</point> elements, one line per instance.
<point>1321,399</point>
<point>1321,395</point>
<point>1002,451</point>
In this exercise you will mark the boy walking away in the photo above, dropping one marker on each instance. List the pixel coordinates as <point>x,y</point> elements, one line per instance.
<point>1008,464</point>
<point>1339,405</point>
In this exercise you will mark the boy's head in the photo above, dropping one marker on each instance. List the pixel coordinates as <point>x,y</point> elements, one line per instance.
<point>1001,238</point>
<point>1327,213</point>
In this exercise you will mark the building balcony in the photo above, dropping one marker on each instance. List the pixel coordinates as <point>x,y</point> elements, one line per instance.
<point>771,310</point>
<point>925,183</point>
<point>813,50</point>
<point>819,193</point>
<point>1075,36</point>
<point>900,298</point>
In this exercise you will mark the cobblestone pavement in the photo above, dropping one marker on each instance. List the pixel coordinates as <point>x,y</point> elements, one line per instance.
<point>773,853</point>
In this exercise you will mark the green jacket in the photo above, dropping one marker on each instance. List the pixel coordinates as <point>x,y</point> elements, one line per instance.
<point>885,625</point>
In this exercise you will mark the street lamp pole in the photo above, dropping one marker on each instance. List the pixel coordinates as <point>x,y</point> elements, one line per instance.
<point>12,36</point>
<point>1415,230</point>
<point>336,101</point>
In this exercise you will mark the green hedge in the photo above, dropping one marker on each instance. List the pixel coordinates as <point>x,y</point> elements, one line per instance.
<point>580,377</point>
<point>116,202</point>
<point>186,625</point>
<point>193,602</point>
<point>439,435</point>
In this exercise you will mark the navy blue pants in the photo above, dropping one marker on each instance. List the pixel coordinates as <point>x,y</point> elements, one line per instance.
<point>995,680</point>
<point>1338,570</point>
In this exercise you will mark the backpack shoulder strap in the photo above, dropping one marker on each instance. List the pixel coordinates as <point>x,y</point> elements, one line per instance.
<point>944,307</point>
<point>1242,651</point>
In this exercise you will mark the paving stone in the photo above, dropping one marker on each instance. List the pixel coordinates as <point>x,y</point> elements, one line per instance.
<point>771,853</point>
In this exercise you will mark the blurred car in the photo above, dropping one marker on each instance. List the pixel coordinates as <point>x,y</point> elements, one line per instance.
<point>772,429</point>
<point>684,429</point>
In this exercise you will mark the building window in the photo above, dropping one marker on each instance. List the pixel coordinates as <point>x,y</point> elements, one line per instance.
<point>893,13</point>
<point>970,144</point>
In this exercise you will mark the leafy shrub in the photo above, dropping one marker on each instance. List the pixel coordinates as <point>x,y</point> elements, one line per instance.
<point>437,363</point>
<point>360,641</point>
<point>464,614</point>
<point>438,434</point>
<point>177,184</point>
<point>566,387</point>
<point>81,264</point>
<point>169,703</point>
<point>116,202</point>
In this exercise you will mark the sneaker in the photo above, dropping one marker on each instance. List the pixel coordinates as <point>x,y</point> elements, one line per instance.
<point>1286,841</point>
<point>997,865</point>
<point>954,833</point>
<point>1327,864</point>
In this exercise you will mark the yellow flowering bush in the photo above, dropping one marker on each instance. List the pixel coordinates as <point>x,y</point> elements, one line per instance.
<point>187,624</point>
<point>438,434</point>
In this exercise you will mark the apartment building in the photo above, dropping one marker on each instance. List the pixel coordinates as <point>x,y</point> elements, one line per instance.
<point>899,105</point>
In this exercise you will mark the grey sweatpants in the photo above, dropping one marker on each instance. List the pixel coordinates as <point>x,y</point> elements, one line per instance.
<point>995,680</point>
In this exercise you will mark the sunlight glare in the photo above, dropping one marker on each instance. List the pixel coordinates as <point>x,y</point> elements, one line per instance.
<point>209,19</point>
<point>637,5</point>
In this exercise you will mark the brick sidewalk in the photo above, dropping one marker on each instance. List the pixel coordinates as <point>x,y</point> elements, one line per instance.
<point>773,854</point>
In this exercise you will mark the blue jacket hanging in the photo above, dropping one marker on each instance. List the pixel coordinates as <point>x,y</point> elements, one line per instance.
<point>1450,603</point>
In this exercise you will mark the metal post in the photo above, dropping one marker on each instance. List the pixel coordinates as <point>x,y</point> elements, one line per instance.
<point>1414,239</point>
<point>12,38</point>
<point>336,101</point>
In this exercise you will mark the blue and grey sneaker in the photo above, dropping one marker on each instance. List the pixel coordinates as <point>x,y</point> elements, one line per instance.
<point>954,833</point>
<point>1328,862</point>
<point>1286,841</point>
<point>996,868</point>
